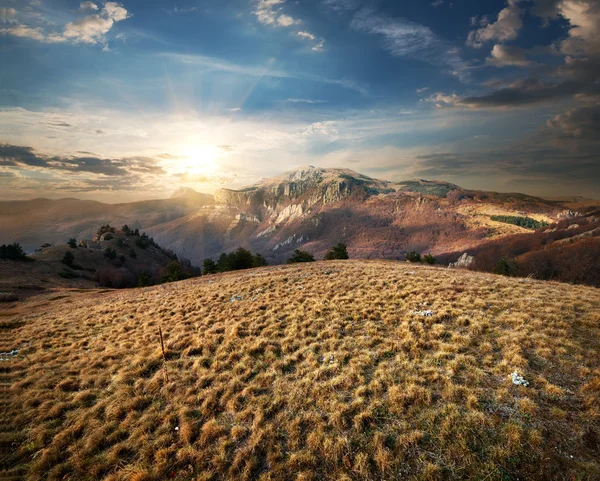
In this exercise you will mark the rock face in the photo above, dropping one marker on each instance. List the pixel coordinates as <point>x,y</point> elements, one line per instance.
<point>464,261</point>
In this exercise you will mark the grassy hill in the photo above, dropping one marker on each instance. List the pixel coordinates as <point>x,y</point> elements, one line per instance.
<point>351,370</point>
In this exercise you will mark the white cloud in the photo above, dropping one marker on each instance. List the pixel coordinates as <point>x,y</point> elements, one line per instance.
<point>441,100</point>
<point>8,15</point>
<point>24,31</point>
<point>506,28</point>
<point>115,11</point>
<point>503,56</point>
<point>403,38</point>
<point>437,3</point>
<point>286,21</point>
<point>341,5</point>
<point>422,90</point>
<point>306,35</point>
<point>91,29</point>
<point>88,6</point>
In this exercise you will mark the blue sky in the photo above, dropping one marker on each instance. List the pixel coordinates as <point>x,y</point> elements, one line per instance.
<point>124,101</point>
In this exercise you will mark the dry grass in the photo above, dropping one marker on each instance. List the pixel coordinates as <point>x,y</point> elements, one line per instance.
<point>321,372</point>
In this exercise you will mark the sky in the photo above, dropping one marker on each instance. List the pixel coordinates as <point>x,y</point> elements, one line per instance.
<point>128,101</point>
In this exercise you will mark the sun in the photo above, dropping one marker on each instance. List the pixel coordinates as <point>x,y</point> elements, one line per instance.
<point>198,160</point>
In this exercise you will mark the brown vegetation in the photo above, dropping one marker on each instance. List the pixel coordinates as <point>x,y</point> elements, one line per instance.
<point>317,371</point>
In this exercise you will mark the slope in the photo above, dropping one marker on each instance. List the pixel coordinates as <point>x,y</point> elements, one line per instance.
<point>353,370</point>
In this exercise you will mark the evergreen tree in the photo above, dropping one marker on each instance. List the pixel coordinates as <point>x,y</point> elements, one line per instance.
<point>338,251</point>
<point>300,256</point>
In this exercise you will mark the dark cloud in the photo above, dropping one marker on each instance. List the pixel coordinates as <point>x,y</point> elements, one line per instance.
<point>14,155</point>
<point>582,123</point>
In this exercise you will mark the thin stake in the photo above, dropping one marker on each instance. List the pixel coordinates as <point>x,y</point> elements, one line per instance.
<point>162,345</point>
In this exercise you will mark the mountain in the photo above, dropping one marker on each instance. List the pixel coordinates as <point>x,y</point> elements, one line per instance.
<point>312,208</point>
<point>309,208</point>
<point>39,221</point>
<point>342,370</point>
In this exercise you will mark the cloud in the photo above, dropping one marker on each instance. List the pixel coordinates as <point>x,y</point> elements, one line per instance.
<point>286,21</point>
<point>91,29</point>
<point>506,28</point>
<point>24,31</point>
<point>441,100</point>
<point>422,90</point>
<point>581,123</point>
<point>437,3</point>
<point>342,5</point>
<point>20,156</point>
<point>305,101</point>
<point>268,12</point>
<point>504,56</point>
<point>175,10</point>
<point>8,15</point>
<point>88,6</point>
<point>403,38</point>
<point>318,47</point>
<point>306,35</point>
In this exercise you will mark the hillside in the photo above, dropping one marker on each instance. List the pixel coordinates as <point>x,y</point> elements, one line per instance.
<point>310,208</point>
<point>39,221</point>
<point>91,266</point>
<point>352,370</point>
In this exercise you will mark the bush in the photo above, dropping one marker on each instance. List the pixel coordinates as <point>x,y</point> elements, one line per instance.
<point>413,257</point>
<point>506,267</point>
<point>68,275</point>
<point>174,272</point>
<point>72,243</point>
<point>68,258</point>
<point>259,261</point>
<point>300,256</point>
<point>132,254</point>
<point>144,280</point>
<point>209,266</point>
<point>429,259</point>
<point>338,251</point>
<point>110,253</point>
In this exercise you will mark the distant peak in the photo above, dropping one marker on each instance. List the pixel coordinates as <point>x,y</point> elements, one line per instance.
<point>184,192</point>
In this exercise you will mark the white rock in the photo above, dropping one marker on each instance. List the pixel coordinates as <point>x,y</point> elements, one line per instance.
<point>519,380</point>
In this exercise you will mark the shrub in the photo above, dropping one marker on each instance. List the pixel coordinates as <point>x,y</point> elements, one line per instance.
<point>259,261</point>
<point>144,280</point>
<point>68,258</point>
<point>174,272</point>
<point>429,259</point>
<point>413,257</point>
<point>68,275</point>
<point>506,267</point>
<point>132,254</point>
<point>209,266</point>
<point>110,253</point>
<point>12,252</point>
<point>72,243</point>
<point>338,251</point>
<point>300,256</point>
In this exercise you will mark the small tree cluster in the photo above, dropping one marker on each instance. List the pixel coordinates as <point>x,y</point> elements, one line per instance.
<point>338,251</point>
<point>234,261</point>
<point>72,243</point>
<point>526,222</point>
<point>68,259</point>
<point>300,256</point>
<point>110,253</point>
<point>12,252</point>
<point>414,256</point>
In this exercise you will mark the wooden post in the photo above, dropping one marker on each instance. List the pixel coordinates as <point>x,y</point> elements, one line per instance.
<point>162,345</point>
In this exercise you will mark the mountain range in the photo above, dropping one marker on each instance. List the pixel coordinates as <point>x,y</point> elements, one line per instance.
<point>309,208</point>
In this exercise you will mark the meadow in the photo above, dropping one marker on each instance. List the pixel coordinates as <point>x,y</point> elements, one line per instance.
<point>341,370</point>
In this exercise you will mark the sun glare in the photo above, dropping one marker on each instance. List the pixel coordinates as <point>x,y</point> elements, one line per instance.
<point>198,160</point>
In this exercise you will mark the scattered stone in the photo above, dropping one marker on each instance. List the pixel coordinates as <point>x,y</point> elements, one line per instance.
<point>426,313</point>
<point>519,380</point>
<point>236,298</point>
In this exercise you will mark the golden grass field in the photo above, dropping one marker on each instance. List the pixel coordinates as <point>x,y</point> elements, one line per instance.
<point>322,371</point>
